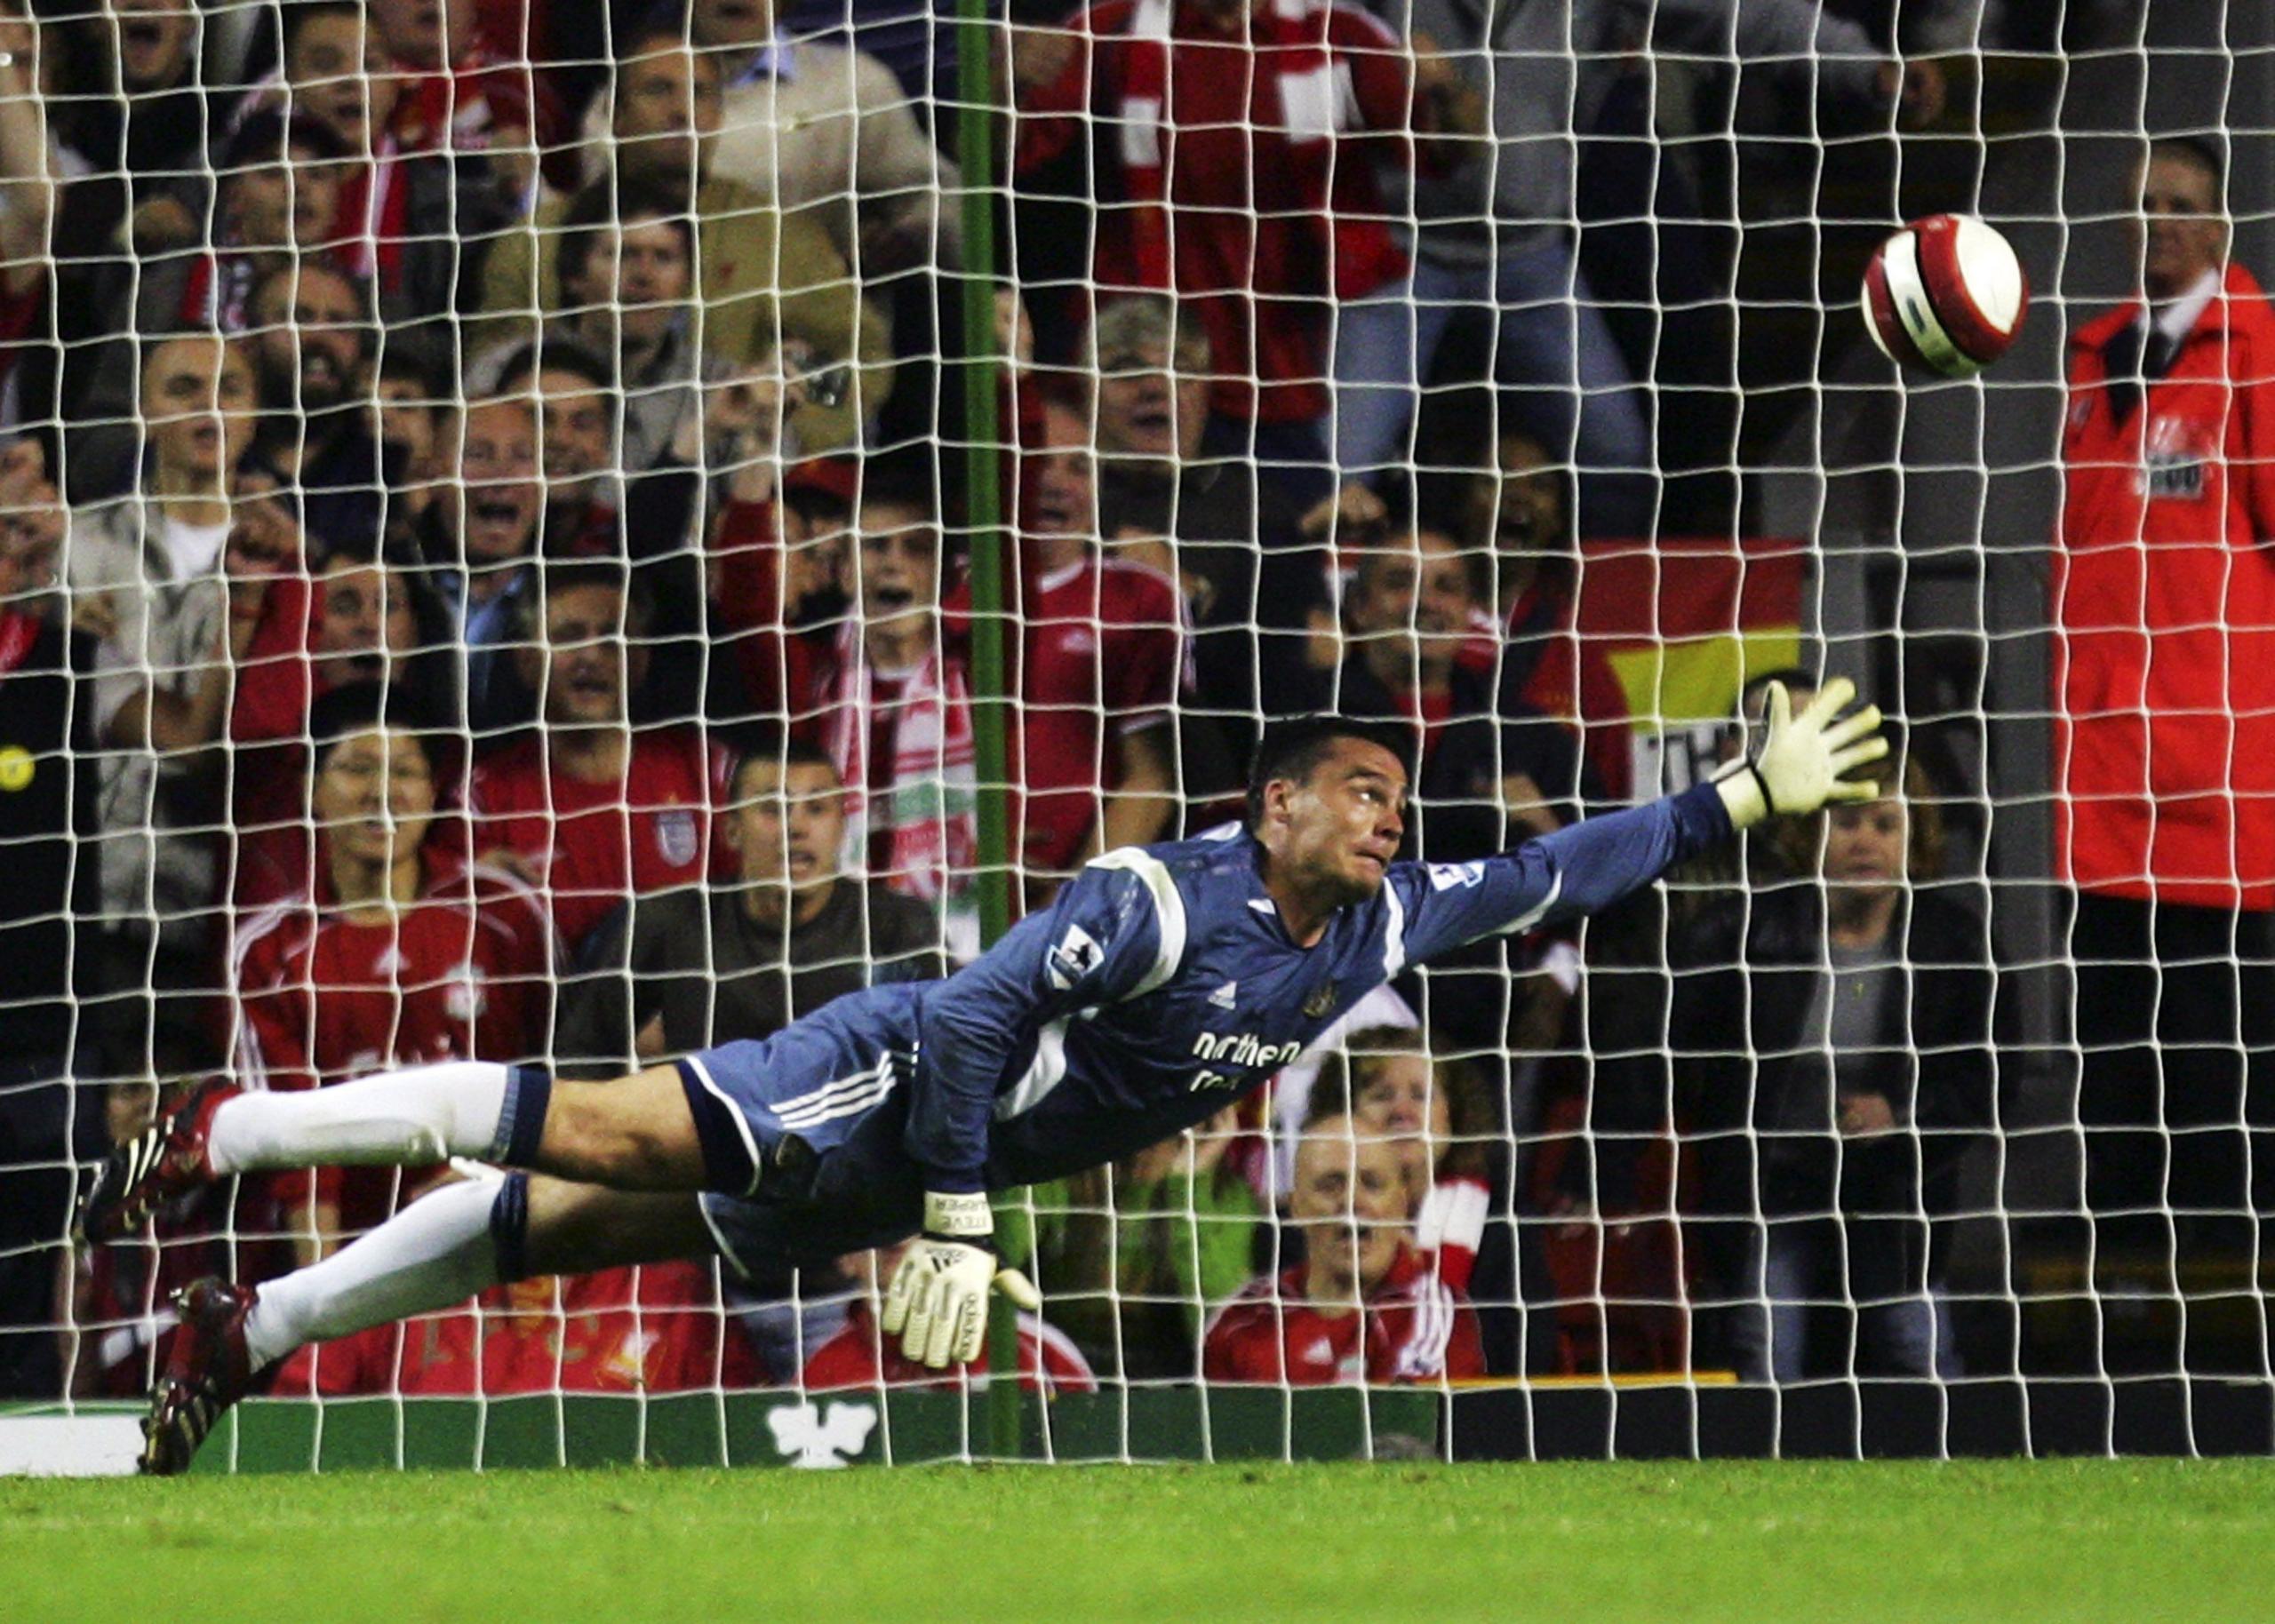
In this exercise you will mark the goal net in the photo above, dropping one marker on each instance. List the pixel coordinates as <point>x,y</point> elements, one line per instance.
<point>575,536</point>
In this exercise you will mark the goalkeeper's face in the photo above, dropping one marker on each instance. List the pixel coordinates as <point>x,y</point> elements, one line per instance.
<point>1336,832</point>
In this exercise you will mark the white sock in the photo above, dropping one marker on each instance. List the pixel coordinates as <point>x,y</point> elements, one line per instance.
<point>410,1118</point>
<point>435,1252</point>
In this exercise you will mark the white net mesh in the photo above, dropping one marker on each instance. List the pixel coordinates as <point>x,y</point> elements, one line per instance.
<point>487,507</point>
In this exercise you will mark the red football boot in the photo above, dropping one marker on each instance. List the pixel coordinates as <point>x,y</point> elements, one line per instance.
<point>164,1160</point>
<point>207,1370</point>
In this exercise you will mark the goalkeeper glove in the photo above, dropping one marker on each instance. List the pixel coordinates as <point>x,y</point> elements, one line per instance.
<point>1803,759</point>
<point>937,1302</point>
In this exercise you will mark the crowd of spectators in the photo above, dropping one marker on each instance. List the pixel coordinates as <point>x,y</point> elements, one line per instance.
<point>483,574</point>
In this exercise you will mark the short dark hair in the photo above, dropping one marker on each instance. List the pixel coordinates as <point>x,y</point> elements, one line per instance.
<point>2204,151</point>
<point>900,480</point>
<point>291,270</point>
<point>300,13</point>
<point>784,753</point>
<point>567,575</point>
<point>665,23</point>
<point>1293,747</point>
<point>268,136</point>
<point>554,352</point>
<point>405,356</point>
<point>613,203</point>
<point>365,707</point>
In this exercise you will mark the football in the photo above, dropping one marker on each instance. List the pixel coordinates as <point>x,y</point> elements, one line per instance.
<point>1946,295</point>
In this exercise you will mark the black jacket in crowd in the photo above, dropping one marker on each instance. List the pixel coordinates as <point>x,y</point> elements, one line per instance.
<point>1736,1030</point>
<point>47,797</point>
<point>715,974</point>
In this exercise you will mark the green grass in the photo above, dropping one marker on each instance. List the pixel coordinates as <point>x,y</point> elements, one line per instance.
<point>1585,1544</point>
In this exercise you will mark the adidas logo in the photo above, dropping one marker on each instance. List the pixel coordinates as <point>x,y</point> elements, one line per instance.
<point>1224,997</point>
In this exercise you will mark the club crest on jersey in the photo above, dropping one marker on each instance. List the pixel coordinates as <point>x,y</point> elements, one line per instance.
<point>677,835</point>
<point>1321,1003</point>
<point>1076,955</point>
<point>465,999</point>
<point>2171,462</point>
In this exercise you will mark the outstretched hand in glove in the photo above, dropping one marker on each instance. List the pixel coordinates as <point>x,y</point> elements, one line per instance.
<point>1805,759</point>
<point>937,1302</point>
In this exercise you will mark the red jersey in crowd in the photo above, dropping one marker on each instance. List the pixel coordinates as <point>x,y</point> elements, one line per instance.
<point>783,670</point>
<point>490,97</point>
<point>269,761</point>
<point>1450,1226</point>
<point>861,1356</point>
<point>326,995</point>
<point>1247,157</point>
<point>1416,1328</point>
<point>902,741</point>
<point>1101,659</point>
<point>2164,595</point>
<point>594,845</point>
<point>656,1328</point>
<point>123,1293</point>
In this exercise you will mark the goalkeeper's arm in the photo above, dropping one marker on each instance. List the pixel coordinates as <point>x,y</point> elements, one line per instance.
<point>1587,866</point>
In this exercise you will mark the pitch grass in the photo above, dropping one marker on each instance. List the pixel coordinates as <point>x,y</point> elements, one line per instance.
<point>1577,1544</point>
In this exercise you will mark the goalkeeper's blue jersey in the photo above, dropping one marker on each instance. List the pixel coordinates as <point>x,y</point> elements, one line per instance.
<point>1161,984</point>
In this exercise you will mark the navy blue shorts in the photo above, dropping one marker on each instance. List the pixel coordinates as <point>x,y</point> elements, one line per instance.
<point>801,1136</point>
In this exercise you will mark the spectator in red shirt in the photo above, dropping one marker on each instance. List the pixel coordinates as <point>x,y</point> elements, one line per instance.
<point>1099,663</point>
<point>398,954</point>
<point>1441,1119</point>
<point>2164,682</point>
<point>860,1355</point>
<point>885,689</point>
<point>654,1329</point>
<point>415,219</point>
<point>465,92</point>
<point>368,616</point>
<point>593,810</point>
<point>1364,1306</point>
<point>1253,585</point>
<point>1246,138</point>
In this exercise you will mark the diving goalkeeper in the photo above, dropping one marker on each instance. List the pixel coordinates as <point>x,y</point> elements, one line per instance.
<point>1164,982</point>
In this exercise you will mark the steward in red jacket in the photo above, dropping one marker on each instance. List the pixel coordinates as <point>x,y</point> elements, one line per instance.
<point>2164,670</point>
<point>2164,600</point>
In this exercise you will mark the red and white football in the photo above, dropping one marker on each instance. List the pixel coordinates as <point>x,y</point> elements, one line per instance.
<point>1946,295</point>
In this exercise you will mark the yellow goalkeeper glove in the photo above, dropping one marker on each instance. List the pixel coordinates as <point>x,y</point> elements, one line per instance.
<point>937,1302</point>
<point>1804,759</point>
